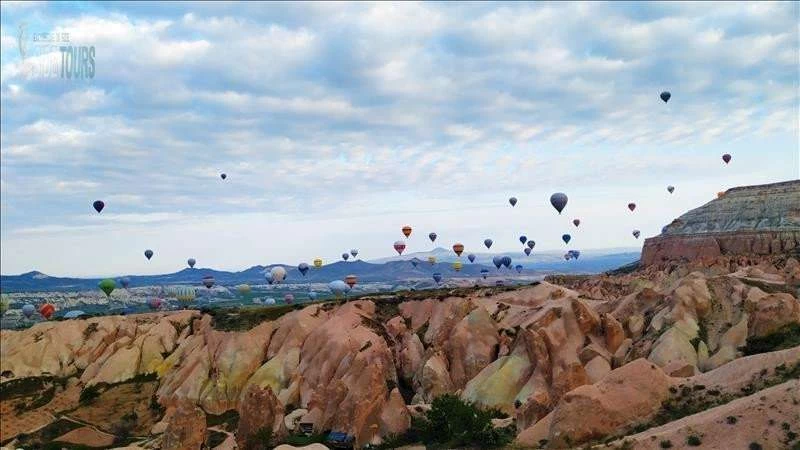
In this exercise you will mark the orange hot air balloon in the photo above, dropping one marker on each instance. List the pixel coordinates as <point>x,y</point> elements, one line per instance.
<point>407,231</point>
<point>47,310</point>
<point>720,194</point>
<point>458,248</point>
<point>351,280</point>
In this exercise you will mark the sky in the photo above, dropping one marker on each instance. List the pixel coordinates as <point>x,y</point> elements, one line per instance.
<point>338,123</point>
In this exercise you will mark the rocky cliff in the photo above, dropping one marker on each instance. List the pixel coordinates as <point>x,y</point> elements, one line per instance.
<point>745,221</point>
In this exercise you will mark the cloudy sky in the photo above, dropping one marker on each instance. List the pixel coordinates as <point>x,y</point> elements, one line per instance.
<point>338,123</point>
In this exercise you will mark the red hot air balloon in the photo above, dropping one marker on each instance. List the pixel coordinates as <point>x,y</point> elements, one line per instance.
<point>727,158</point>
<point>399,246</point>
<point>458,248</point>
<point>350,280</point>
<point>576,222</point>
<point>631,206</point>
<point>406,231</point>
<point>47,310</point>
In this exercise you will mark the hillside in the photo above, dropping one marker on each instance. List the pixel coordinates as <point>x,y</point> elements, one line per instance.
<point>745,221</point>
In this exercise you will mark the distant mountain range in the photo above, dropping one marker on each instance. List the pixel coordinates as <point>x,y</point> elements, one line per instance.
<point>383,270</point>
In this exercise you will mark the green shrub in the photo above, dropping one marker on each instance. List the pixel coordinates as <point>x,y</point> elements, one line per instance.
<point>666,444</point>
<point>451,422</point>
<point>693,441</point>
<point>785,337</point>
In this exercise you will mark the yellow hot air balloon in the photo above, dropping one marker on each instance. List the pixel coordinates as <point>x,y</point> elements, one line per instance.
<point>457,266</point>
<point>185,294</point>
<point>318,263</point>
<point>432,260</point>
<point>243,289</point>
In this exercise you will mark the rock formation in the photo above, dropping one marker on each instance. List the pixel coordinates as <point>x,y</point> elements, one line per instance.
<point>750,220</point>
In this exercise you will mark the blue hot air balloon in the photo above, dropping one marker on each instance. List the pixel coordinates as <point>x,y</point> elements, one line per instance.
<point>507,261</point>
<point>303,268</point>
<point>437,277</point>
<point>566,238</point>
<point>432,236</point>
<point>471,258</point>
<point>665,96</point>
<point>527,251</point>
<point>338,287</point>
<point>191,262</point>
<point>345,256</point>
<point>484,273</point>
<point>531,244</point>
<point>559,201</point>
<point>488,243</point>
<point>125,282</point>
<point>28,310</point>
<point>513,201</point>
<point>414,263</point>
<point>74,314</point>
<point>523,239</point>
<point>269,277</point>
<point>148,253</point>
<point>519,268</point>
<point>497,261</point>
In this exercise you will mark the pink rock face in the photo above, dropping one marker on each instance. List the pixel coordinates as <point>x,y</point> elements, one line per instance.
<point>186,429</point>
<point>259,410</point>
<point>772,312</point>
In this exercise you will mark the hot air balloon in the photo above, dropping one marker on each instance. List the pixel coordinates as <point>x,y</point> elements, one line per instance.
<point>513,201</point>
<point>312,295</point>
<point>399,246</point>
<point>457,266</point>
<point>354,252</point>
<point>631,206</point>
<point>338,287</point>
<point>269,301</point>
<point>432,236</point>
<point>720,194</point>
<point>345,256</point>
<point>243,289</point>
<point>471,258</point>
<point>559,201</point>
<point>28,310</point>
<point>437,277</point>
<point>47,310</point>
<point>107,286</point>
<point>303,268</point>
<point>414,263</point>
<point>432,260</point>
<point>527,251</point>
<point>531,244</point>
<point>98,205</point>
<point>519,268</point>
<point>507,261</point>
<point>268,276</point>
<point>191,262</point>
<point>154,303</point>
<point>406,231</point>
<point>223,176</point>
<point>288,299</point>
<point>567,256</point>
<point>278,274</point>
<point>670,189</point>
<point>488,243</point>
<point>185,294</point>
<point>636,233</point>
<point>74,314</point>
<point>497,261</point>
<point>317,263</point>
<point>350,280</point>
<point>665,96</point>
<point>148,253</point>
<point>485,272</point>
<point>458,248</point>
<point>523,239</point>
<point>125,282</point>
<point>727,158</point>
<point>208,281</point>
<point>566,238</point>
<point>576,253</point>
<point>576,222</point>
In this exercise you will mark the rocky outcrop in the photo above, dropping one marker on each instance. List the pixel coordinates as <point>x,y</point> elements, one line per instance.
<point>260,415</point>
<point>186,429</point>
<point>741,222</point>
